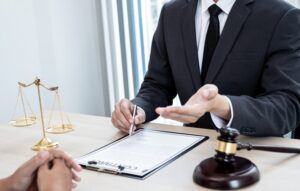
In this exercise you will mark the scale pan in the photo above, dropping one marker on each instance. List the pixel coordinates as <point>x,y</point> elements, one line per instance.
<point>23,121</point>
<point>60,129</point>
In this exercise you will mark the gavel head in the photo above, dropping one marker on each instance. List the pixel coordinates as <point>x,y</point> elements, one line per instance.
<point>226,145</point>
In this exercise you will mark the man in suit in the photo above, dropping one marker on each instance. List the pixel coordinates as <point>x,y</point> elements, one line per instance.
<point>248,77</point>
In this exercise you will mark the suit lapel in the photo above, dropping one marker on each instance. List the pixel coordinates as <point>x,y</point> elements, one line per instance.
<point>234,23</point>
<point>189,38</point>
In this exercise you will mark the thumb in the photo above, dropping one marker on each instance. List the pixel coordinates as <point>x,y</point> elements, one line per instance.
<point>140,117</point>
<point>34,163</point>
<point>209,91</point>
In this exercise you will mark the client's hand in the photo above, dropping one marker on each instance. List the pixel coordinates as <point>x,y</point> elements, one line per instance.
<point>25,175</point>
<point>54,176</point>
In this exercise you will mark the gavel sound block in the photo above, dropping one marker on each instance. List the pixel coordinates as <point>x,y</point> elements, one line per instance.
<point>227,171</point>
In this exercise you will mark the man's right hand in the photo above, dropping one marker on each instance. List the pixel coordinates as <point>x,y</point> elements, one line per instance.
<point>122,115</point>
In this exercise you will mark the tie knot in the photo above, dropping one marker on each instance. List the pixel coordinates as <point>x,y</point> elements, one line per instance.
<point>214,10</point>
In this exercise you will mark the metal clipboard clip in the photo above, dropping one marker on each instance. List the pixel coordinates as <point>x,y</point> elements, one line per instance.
<point>92,165</point>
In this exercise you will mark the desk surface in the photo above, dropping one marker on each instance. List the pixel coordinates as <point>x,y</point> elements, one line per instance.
<point>278,171</point>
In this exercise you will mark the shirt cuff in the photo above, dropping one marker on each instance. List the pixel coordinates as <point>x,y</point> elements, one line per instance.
<point>218,121</point>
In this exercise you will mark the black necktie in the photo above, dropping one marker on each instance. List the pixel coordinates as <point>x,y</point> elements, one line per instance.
<point>212,38</point>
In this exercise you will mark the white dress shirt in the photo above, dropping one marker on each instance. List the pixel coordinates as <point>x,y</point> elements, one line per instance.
<point>201,24</point>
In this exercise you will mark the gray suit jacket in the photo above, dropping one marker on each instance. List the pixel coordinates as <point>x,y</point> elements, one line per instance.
<point>256,64</point>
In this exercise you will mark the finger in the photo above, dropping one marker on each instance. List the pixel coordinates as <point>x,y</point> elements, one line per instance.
<point>209,91</point>
<point>179,117</point>
<point>123,129</point>
<point>118,124</point>
<point>75,177</point>
<point>35,162</point>
<point>189,110</point>
<point>44,167</point>
<point>164,111</point>
<point>209,86</point>
<point>126,108</point>
<point>185,110</point>
<point>59,154</point>
<point>186,113</point>
<point>56,153</point>
<point>139,119</point>
<point>160,110</point>
<point>183,118</point>
<point>121,117</point>
<point>58,164</point>
<point>113,119</point>
<point>73,165</point>
<point>74,185</point>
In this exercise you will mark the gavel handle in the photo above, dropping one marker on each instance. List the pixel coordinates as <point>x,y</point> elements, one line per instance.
<point>249,147</point>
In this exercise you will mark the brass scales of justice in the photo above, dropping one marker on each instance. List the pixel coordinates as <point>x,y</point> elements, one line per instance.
<point>30,118</point>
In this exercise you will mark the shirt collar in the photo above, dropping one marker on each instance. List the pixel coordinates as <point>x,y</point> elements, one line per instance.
<point>225,5</point>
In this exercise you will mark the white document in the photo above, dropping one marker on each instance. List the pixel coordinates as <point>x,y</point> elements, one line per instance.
<point>141,153</point>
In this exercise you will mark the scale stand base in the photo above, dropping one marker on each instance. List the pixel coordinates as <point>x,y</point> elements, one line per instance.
<point>44,144</point>
<point>217,175</point>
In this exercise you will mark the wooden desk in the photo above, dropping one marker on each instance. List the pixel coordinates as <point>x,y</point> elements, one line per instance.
<point>278,171</point>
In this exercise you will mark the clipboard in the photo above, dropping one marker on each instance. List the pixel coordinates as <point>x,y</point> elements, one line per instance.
<point>141,154</point>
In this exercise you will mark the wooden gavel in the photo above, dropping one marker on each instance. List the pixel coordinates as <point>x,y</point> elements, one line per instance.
<point>227,171</point>
<point>227,146</point>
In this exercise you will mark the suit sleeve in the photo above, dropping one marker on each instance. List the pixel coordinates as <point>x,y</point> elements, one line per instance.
<point>157,89</point>
<point>275,111</point>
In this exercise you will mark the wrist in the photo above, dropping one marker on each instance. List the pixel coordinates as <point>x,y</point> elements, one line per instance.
<point>55,188</point>
<point>221,107</point>
<point>6,184</point>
